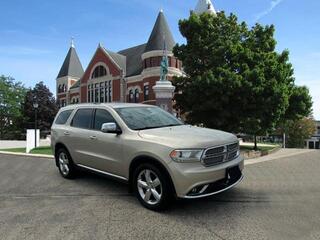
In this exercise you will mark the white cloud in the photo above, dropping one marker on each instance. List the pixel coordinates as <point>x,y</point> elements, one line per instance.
<point>273,4</point>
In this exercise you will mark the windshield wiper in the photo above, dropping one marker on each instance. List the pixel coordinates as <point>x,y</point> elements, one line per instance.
<point>169,125</point>
<point>145,128</point>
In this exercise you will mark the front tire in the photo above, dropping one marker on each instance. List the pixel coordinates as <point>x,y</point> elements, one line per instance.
<point>65,164</point>
<point>152,187</point>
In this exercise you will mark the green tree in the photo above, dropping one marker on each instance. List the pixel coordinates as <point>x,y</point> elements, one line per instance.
<point>235,80</point>
<point>298,131</point>
<point>46,111</point>
<point>300,103</point>
<point>12,95</point>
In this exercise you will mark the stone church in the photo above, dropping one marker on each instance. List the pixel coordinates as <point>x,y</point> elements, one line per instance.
<point>125,76</point>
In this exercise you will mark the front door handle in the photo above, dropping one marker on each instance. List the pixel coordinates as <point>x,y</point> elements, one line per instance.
<point>93,137</point>
<point>66,133</point>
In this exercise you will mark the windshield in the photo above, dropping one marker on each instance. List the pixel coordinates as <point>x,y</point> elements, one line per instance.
<point>139,118</point>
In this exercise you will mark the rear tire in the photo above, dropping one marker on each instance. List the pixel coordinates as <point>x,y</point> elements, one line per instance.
<point>152,187</point>
<point>65,164</point>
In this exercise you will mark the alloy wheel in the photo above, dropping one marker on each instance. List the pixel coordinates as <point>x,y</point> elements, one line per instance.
<point>149,187</point>
<point>64,163</point>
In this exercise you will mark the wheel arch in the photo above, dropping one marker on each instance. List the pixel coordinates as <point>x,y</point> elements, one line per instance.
<point>147,159</point>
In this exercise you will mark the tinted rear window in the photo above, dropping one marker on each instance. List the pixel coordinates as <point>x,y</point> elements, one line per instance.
<point>82,119</point>
<point>63,117</point>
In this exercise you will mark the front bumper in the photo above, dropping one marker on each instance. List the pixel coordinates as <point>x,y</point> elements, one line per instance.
<point>208,180</point>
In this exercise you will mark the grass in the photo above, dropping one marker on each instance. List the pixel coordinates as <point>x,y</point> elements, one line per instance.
<point>40,150</point>
<point>260,148</point>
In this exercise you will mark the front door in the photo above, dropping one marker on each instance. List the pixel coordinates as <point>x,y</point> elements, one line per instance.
<point>107,147</point>
<point>318,145</point>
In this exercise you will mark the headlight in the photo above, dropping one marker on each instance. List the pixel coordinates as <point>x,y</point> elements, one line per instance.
<point>190,155</point>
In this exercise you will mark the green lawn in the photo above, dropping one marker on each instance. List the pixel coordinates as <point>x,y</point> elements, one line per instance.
<point>260,148</point>
<point>40,150</point>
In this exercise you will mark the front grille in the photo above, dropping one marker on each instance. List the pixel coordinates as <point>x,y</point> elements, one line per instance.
<point>221,154</point>
<point>217,150</point>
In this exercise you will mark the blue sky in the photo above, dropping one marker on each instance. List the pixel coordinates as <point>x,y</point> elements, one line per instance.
<point>35,34</point>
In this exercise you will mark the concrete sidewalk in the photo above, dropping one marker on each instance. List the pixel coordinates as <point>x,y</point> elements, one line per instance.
<point>4,144</point>
<point>282,153</point>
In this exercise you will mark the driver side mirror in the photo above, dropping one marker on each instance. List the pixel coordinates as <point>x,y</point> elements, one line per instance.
<point>110,127</point>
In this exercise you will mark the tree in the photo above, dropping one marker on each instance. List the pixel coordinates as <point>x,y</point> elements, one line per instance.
<point>47,107</point>
<point>12,95</point>
<point>298,131</point>
<point>300,103</point>
<point>235,80</point>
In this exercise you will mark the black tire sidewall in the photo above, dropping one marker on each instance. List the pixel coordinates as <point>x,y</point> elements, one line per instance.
<point>166,187</point>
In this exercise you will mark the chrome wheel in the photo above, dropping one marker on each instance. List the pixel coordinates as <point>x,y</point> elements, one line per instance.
<point>64,163</point>
<point>149,186</point>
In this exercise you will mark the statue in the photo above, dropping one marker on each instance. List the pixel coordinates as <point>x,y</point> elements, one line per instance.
<point>164,68</point>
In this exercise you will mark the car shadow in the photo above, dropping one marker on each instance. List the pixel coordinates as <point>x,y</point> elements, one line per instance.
<point>240,194</point>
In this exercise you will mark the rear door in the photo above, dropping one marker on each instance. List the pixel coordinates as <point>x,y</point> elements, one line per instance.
<point>79,142</point>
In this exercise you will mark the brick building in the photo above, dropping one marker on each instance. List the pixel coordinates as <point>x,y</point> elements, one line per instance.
<point>125,76</point>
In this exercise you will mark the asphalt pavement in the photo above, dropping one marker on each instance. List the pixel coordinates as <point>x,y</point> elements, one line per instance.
<point>278,199</point>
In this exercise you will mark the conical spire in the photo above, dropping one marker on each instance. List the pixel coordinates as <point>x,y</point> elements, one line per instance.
<point>205,6</point>
<point>71,66</point>
<point>160,32</point>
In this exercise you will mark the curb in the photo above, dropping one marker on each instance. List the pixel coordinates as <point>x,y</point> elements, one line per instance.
<point>28,155</point>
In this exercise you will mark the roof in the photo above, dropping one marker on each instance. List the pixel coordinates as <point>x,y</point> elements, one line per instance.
<point>160,34</point>
<point>71,65</point>
<point>204,6</point>
<point>75,85</point>
<point>111,105</point>
<point>118,58</point>
<point>134,62</point>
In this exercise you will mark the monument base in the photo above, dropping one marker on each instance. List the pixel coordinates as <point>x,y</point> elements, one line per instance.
<point>164,93</point>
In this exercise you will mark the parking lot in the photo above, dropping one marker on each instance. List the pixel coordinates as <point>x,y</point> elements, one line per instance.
<point>278,199</point>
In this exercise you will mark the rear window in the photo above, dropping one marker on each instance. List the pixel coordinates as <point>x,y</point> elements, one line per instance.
<point>63,117</point>
<point>82,119</point>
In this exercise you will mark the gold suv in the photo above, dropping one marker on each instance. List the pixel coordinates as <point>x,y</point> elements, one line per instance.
<point>155,153</point>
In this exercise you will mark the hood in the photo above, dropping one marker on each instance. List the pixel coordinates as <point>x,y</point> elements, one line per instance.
<point>187,136</point>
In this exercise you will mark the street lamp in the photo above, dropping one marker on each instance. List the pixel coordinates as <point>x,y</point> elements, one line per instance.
<point>35,106</point>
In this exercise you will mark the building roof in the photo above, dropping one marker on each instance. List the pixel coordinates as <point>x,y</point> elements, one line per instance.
<point>204,6</point>
<point>134,63</point>
<point>118,59</point>
<point>71,66</point>
<point>75,85</point>
<point>160,34</point>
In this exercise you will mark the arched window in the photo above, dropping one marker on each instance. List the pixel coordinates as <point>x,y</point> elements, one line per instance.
<point>146,92</point>
<point>63,88</point>
<point>99,71</point>
<point>131,96</point>
<point>136,96</point>
<point>59,88</point>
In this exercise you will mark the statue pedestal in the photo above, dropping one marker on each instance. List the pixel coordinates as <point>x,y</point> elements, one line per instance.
<point>164,94</point>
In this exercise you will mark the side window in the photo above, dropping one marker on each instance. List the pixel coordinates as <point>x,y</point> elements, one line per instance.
<point>82,119</point>
<point>101,117</point>
<point>63,117</point>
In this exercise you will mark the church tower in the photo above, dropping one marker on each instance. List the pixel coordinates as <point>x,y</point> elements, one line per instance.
<point>70,72</point>
<point>205,6</point>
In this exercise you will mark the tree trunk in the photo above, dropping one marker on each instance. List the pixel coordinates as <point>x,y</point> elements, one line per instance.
<point>255,143</point>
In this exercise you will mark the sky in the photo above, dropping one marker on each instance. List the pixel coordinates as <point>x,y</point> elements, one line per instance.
<point>35,34</point>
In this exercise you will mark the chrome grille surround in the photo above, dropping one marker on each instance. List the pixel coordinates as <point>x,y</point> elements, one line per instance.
<point>220,154</point>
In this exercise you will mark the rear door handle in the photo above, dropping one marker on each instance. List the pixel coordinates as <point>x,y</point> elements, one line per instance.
<point>93,137</point>
<point>66,133</point>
